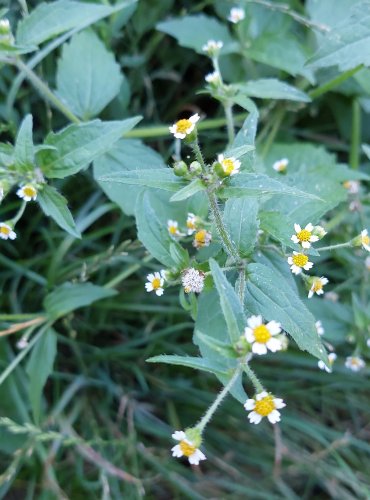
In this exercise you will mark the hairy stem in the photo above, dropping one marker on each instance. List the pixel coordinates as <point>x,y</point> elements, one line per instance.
<point>253,378</point>
<point>221,229</point>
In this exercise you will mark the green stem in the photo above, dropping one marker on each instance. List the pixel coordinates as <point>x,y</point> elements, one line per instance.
<point>19,214</point>
<point>198,155</point>
<point>326,87</point>
<point>221,229</point>
<point>253,378</point>
<point>241,285</point>
<point>229,121</point>
<point>45,91</point>
<point>354,156</point>
<point>334,247</point>
<point>211,410</point>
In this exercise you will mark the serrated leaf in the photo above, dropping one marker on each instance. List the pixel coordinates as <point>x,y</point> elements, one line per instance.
<point>79,144</point>
<point>229,301</point>
<point>241,221</point>
<point>88,77</point>
<point>54,205</point>
<point>188,361</point>
<point>39,367</point>
<point>194,31</point>
<point>271,88</point>
<point>268,295</point>
<point>155,178</point>
<point>70,296</point>
<point>194,187</point>
<point>24,150</point>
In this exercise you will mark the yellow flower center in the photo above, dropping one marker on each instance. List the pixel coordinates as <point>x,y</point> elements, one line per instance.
<point>317,285</point>
<point>265,406</point>
<point>261,334</point>
<point>183,126</point>
<point>187,449</point>
<point>190,224</point>
<point>29,191</point>
<point>4,230</point>
<point>156,283</point>
<point>300,259</point>
<point>347,184</point>
<point>172,229</point>
<point>365,240</point>
<point>304,235</point>
<point>187,289</point>
<point>228,166</point>
<point>200,237</point>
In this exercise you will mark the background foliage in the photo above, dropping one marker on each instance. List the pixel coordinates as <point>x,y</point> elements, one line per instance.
<point>101,425</point>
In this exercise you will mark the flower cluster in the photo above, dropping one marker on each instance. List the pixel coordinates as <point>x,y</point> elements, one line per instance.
<point>202,237</point>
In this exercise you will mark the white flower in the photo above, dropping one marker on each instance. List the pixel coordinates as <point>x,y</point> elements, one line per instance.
<point>304,236</point>
<point>332,357</point>
<point>317,286</point>
<point>213,78</point>
<point>264,405</point>
<point>202,239</point>
<point>191,223</point>
<point>173,229</point>
<point>186,448</point>
<point>299,261</point>
<point>281,165</point>
<point>4,26</point>
<point>332,296</point>
<point>212,47</point>
<point>230,166</point>
<point>367,263</point>
<point>319,231</point>
<point>261,336</point>
<point>236,15</point>
<point>22,342</point>
<point>184,127</point>
<point>353,187</point>
<point>319,328</point>
<point>355,363</point>
<point>6,232</point>
<point>155,283</point>
<point>192,280</point>
<point>27,192</point>
<point>365,240</point>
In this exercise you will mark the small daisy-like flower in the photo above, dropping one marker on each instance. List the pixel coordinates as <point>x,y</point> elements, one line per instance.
<point>213,78</point>
<point>202,239</point>
<point>192,280</point>
<point>317,286</point>
<point>365,240</point>
<point>6,232</point>
<point>319,328</point>
<point>354,363</point>
<point>212,47</point>
<point>173,228</point>
<point>22,342</point>
<point>191,223</point>
<point>230,166</point>
<point>319,231</point>
<point>186,448</point>
<point>261,336</point>
<point>304,236</point>
<point>367,263</point>
<point>236,15</point>
<point>299,261</point>
<point>184,127</point>
<point>281,165</point>
<point>155,283</point>
<point>353,187</point>
<point>332,357</point>
<point>264,405</point>
<point>27,192</point>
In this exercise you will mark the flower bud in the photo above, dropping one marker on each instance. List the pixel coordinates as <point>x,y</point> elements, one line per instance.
<point>195,168</point>
<point>319,231</point>
<point>180,169</point>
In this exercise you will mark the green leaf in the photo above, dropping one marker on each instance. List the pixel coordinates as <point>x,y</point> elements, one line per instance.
<point>366,150</point>
<point>240,151</point>
<point>268,294</point>
<point>88,77</point>
<point>229,301</point>
<point>271,88</point>
<point>24,151</point>
<point>258,185</point>
<point>71,296</point>
<point>189,361</point>
<point>347,44</point>
<point>218,346</point>
<point>126,155</point>
<point>54,205</point>
<point>179,255</point>
<point>78,145</point>
<point>194,31</point>
<point>240,218</point>
<point>48,20</point>
<point>155,178</point>
<point>39,367</point>
<point>151,232</point>
<point>194,187</point>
